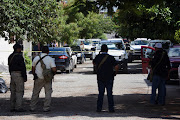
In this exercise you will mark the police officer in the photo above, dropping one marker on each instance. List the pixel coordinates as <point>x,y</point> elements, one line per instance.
<point>40,82</point>
<point>18,74</point>
<point>105,65</point>
<point>160,65</point>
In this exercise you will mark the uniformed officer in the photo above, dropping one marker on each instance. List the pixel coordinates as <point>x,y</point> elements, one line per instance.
<point>39,83</point>
<point>18,74</point>
<point>105,65</point>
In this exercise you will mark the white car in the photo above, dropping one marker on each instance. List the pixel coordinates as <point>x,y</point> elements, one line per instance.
<point>117,49</point>
<point>135,47</point>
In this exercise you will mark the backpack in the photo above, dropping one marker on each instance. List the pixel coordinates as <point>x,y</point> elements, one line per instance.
<point>3,87</point>
<point>47,73</point>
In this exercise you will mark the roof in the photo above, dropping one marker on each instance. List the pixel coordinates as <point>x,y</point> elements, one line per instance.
<point>159,41</point>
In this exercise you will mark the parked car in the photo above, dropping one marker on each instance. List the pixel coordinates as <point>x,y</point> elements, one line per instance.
<point>174,56</point>
<point>166,44</point>
<point>87,47</point>
<point>65,59</point>
<point>79,53</point>
<point>135,47</point>
<point>117,49</point>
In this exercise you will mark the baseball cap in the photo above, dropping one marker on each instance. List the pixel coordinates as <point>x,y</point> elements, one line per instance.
<point>158,45</point>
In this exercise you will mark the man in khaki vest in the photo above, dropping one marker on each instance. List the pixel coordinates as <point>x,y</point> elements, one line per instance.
<point>18,74</point>
<point>40,82</point>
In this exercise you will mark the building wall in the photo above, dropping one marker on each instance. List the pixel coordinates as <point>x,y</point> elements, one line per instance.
<point>5,50</point>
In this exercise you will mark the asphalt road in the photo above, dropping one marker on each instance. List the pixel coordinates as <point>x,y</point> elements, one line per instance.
<point>75,94</point>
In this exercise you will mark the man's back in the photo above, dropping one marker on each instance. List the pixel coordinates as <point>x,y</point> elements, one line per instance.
<point>105,71</point>
<point>48,61</point>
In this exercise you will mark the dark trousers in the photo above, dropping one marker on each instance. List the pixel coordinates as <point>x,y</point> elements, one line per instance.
<point>158,82</point>
<point>101,87</point>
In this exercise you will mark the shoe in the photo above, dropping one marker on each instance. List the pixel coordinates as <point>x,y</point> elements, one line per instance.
<point>20,110</point>
<point>12,110</point>
<point>111,111</point>
<point>98,110</point>
<point>47,110</point>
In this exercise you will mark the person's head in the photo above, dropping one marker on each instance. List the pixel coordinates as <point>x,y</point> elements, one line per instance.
<point>104,48</point>
<point>17,47</point>
<point>158,46</point>
<point>45,49</point>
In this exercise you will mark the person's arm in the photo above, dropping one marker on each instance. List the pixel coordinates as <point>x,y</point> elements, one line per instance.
<point>53,66</point>
<point>54,70</point>
<point>116,69</point>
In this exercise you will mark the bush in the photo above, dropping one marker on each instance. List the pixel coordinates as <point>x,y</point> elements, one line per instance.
<point>28,61</point>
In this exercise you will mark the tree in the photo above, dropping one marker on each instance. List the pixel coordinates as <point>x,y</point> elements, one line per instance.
<point>142,18</point>
<point>44,20</point>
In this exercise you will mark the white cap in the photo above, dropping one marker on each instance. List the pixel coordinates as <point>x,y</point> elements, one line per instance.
<point>158,45</point>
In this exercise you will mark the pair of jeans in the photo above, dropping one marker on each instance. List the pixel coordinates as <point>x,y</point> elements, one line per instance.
<point>101,87</point>
<point>158,82</point>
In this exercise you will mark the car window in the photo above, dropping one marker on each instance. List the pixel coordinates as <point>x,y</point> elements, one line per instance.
<point>141,42</point>
<point>56,51</point>
<point>113,46</point>
<point>174,52</point>
<point>147,53</point>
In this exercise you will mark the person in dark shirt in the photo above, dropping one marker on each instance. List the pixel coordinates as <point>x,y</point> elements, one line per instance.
<point>160,65</point>
<point>105,65</point>
<point>18,74</point>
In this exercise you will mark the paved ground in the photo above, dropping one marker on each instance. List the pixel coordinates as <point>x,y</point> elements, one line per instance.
<point>74,97</point>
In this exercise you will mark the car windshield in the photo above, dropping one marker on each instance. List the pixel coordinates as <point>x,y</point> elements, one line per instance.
<point>86,42</point>
<point>174,52</point>
<point>56,51</point>
<point>165,45</point>
<point>140,42</point>
<point>113,46</point>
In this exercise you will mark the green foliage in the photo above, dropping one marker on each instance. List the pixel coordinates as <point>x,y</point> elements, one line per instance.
<point>28,61</point>
<point>145,18</point>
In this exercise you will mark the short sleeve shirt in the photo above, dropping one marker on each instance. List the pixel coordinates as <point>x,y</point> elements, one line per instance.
<point>48,61</point>
<point>106,71</point>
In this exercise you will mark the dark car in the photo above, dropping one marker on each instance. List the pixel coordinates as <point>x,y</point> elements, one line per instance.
<point>80,54</point>
<point>63,58</point>
<point>174,56</point>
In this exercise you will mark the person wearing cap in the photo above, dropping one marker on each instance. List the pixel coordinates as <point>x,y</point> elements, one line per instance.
<point>40,82</point>
<point>18,74</point>
<point>105,65</point>
<point>160,66</point>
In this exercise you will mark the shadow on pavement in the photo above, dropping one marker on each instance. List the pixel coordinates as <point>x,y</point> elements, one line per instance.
<point>127,105</point>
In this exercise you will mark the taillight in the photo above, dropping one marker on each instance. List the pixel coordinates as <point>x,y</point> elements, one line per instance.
<point>63,57</point>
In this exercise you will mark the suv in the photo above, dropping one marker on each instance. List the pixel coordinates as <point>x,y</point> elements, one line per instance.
<point>174,57</point>
<point>117,49</point>
<point>135,47</point>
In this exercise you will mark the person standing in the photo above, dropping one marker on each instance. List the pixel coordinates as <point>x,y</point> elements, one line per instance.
<point>17,70</point>
<point>105,65</point>
<point>160,66</point>
<point>39,80</point>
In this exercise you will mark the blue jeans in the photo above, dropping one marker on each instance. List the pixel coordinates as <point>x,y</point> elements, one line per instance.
<point>158,82</point>
<point>101,87</point>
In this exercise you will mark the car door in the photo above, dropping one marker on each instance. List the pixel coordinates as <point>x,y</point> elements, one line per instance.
<point>146,54</point>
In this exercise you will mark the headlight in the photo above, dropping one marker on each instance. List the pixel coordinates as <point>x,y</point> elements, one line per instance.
<point>79,55</point>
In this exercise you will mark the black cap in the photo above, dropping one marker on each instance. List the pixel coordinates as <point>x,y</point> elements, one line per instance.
<point>16,46</point>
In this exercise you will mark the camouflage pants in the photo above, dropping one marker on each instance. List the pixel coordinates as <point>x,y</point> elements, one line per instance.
<point>17,90</point>
<point>38,85</point>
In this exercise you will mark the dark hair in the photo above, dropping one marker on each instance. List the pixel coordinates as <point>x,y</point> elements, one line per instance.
<point>45,49</point>
<point>104,48</point>
<point>16,46</point>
